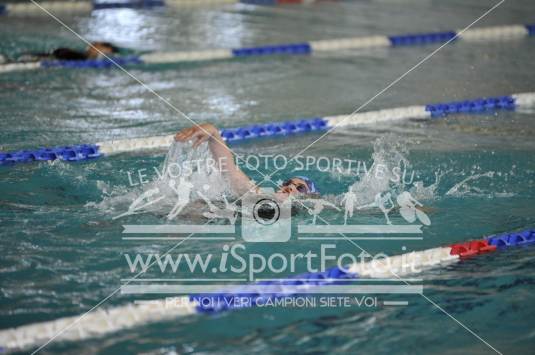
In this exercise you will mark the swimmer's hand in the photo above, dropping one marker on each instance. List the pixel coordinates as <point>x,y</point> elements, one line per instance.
<point>198,134</point>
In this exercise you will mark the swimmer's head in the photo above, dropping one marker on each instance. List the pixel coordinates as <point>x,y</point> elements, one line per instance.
<point>298,185</point>
<point>98,49</point>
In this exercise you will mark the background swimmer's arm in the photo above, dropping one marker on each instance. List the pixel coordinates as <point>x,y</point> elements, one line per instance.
<point>239,182</point>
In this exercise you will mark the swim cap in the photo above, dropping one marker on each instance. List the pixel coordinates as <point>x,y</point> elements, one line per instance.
<point>310,184</point>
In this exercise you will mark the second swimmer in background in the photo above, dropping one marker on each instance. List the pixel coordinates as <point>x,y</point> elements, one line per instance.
<point>95,50</point>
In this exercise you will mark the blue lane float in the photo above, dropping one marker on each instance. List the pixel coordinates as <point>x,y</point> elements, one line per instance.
<point>292,48</point>
<point>505,240</point>
<point>423,38</point>
<point>70,153</point>
<point>279,129</point>
<point>280,288</point>
<point>274,129</point>
<point>95,63</point>
<point>143,4</point>
<point>304,48</point>
<point>484,105</point>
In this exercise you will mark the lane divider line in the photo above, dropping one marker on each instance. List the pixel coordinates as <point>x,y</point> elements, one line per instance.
<point>502,33</point>
<point>106,321</point>
<point>285,129</point>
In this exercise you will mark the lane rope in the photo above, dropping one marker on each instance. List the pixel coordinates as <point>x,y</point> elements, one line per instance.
<point>305,48</point>
<point>77,7</point>
<point>106,321</point>
<point>82,152</point>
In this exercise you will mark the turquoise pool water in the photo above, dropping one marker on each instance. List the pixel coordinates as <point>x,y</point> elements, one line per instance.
<point>62,252</point>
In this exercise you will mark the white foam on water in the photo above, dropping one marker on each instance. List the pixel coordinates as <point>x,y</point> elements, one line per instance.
<point>421,192</point>
<point>390,171</point>
<point>391,152</point>
<point>204,174</point>
<point>183,163</point>
<point>462,188</point>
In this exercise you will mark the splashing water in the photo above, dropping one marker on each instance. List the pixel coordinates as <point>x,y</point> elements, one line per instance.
<point>391,173</point>
<point>421,192</point>
<point>196,165</point>
<point>187,173</point>
<point>389,159</point>
<point>462,188</point>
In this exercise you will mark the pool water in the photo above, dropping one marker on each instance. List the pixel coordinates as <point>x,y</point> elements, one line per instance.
<point>62,252</point>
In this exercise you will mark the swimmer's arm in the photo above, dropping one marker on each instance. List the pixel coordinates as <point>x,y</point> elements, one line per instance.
<point>239,182</point>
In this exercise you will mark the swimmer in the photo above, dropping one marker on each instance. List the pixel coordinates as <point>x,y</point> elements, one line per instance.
<point>239,182</point>
<point>95,50</point>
